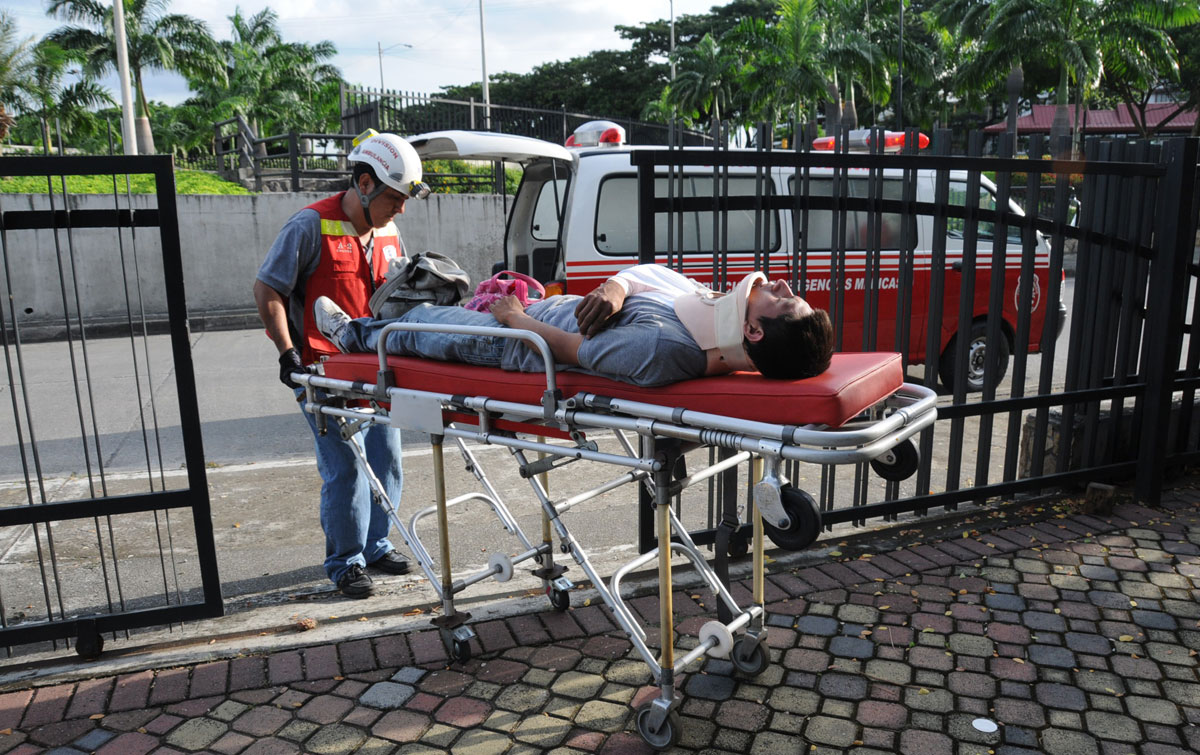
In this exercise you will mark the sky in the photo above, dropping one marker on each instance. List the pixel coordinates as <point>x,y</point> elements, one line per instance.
<point>444,34</point>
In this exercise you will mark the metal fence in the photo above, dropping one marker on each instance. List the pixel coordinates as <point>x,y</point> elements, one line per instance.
<point>413,113</point>
<point>300,161</point>
<point>907,265</point>
<point>104,510</point>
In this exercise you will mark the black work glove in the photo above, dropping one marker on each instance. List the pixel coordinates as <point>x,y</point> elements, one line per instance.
<point>289,362</point>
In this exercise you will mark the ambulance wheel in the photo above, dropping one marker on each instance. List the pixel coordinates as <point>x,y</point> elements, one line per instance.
<point>751,662</point>
<point>899,463</point>
<point>667,735</point>
<point>739,545</point>
<point>804,520</point>
<point>976,358</point>
<point>560,600</point>
<point>89,646</point>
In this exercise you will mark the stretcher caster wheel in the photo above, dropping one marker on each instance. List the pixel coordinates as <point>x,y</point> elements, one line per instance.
<point>560,600</point>
<point>89,646</point>
<point>804,520</point>
<point>899,463</point>
<point>458,648</point>
<point>748,657</point>
<point>667,735</point>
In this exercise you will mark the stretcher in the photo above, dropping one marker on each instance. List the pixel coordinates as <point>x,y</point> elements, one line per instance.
<point>859,410</point>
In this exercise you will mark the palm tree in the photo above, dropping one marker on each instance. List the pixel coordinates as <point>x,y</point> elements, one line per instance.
<point>47,99</point>
<point>16,68</point>
<point>156,41</point>
<point>997,35</point>
<point>274,85</point>
<point>705,79</point>
<point>784,60</point>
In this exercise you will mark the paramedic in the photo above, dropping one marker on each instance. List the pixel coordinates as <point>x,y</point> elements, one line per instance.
<point>341,247</point>
<point>647,325</point>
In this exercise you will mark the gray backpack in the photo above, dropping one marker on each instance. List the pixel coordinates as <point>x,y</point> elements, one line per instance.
<point>427,277</point>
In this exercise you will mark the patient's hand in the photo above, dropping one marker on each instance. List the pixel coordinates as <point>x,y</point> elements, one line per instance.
<point>507,310</point>
<point>594,311</point>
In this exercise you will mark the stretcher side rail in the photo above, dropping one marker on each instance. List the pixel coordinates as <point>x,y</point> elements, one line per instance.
<point>549,398</point>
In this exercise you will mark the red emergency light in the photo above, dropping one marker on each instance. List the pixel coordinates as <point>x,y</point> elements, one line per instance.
<point>859,140</point>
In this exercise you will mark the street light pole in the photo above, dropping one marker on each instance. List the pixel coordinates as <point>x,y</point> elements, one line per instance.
<point>487,99</point>
<point>127,129</point>
<point>382,50</point>
<point>672,41</point>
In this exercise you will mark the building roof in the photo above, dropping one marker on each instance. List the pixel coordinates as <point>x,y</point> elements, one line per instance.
<point>1119,121</point>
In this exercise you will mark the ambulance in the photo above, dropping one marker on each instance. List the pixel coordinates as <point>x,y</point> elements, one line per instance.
<point>573,224</point>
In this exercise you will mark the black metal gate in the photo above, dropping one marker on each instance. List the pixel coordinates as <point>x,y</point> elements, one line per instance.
<point>903,263</point>
<point>101,439</point>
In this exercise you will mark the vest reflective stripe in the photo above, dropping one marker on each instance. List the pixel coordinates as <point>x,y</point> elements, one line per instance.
<point>342,272</point>
<point>336,228</point>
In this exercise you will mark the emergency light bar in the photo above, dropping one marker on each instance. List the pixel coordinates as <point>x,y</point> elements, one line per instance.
<point>597,134</point>
<point>860,141</point>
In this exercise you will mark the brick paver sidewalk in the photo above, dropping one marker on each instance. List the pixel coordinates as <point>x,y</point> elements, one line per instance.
<point>1076,635</point>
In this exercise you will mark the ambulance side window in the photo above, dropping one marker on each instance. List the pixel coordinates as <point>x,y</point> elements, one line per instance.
<point>858,226</point>
<point>544,226</point>
<point>956,227</point>
<point>616,217</point>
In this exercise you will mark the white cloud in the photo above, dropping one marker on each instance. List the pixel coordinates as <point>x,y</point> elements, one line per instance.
<point>521,34</point>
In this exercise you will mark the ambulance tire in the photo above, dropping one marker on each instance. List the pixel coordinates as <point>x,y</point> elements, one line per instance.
<point>976,358</point>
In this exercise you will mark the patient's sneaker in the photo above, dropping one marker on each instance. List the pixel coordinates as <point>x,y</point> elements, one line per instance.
<point>331,321</point>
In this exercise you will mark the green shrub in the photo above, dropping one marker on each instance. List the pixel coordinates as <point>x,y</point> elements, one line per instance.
<point>186,182</point>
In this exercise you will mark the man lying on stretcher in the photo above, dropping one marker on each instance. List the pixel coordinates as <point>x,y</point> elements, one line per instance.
<point>647,325</point>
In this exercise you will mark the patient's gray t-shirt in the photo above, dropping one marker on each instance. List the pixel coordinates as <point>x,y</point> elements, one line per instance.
<point>646,344</point>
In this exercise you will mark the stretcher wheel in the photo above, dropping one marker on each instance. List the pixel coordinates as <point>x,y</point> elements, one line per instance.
<point>88,646</point>
<point>560,599</point>
<point>667,735</point>
<point>461,651</point>
<point>804,520</point>
<point>899,463</point>
<point>746,659</point>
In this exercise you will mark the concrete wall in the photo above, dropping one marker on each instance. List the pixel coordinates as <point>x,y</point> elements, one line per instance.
<point>223,240</point>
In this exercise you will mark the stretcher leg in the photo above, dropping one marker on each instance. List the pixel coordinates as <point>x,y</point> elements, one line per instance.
<point>749,654</point>
<point>456,633</point>
<point>658,721</point>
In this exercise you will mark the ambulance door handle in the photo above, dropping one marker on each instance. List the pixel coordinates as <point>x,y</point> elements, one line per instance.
<point>956,266</point>
<point>602,237</point>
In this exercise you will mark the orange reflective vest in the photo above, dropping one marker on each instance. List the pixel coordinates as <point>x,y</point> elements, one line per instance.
<point>343,273</point>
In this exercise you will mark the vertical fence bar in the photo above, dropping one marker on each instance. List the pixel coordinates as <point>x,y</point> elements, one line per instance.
<point>1164,315</point>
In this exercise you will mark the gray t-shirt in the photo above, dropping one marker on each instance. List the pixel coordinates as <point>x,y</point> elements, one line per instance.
<point>292,260</point>
<point>646,345</point>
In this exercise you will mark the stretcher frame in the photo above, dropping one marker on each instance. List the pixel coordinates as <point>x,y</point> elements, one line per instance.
<point>667,433</point>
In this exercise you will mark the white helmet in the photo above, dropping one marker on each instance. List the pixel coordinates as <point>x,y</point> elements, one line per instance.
<point>393,161</point>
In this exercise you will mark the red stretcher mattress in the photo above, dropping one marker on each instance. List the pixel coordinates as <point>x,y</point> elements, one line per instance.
<point>853,382</point>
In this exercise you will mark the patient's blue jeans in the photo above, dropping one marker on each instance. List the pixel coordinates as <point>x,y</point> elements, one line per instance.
<point>355,527</point>
<point>486,351</point>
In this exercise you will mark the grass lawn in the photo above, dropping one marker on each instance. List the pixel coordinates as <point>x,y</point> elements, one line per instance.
<point>186,182</point>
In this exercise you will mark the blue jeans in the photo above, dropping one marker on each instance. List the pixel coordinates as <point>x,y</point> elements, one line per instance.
<point>356,528</point>
<point>486,351</point>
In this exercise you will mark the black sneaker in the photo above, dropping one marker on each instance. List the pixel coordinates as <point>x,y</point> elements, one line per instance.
<point>391,562</point>
<point>355,583</point>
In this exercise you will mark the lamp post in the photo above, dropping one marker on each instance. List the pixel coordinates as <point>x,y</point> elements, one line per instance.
<point>487,98</point>
<point>672,53</point>
<point>382,50</point>
<point>127,127</point>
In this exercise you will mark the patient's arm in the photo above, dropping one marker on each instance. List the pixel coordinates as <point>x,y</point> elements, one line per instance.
<point>563,345</point>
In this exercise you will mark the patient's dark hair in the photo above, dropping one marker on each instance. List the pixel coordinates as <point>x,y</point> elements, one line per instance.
<point>793,348</point>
